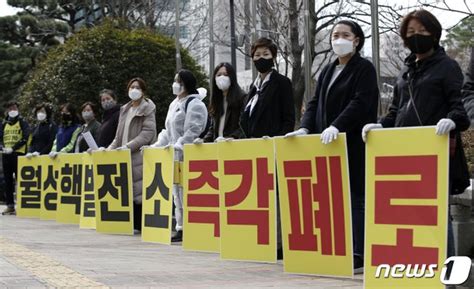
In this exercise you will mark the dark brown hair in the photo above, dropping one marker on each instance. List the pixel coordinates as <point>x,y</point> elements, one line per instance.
<point>264,42</point>
<point>427,19</point>
<point>47,108</point>
<point>235,94</point>
<point>141,83</point>
<point>93,107</point>
<point>109,92</point>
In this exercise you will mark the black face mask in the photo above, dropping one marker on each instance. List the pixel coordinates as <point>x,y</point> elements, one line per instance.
<point>263,65</point>
<point>420,44</point>
<point>66,117</point>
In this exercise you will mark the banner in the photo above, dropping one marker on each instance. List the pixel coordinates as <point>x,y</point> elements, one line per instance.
<point>248,203</point>
<point>28,187</point>
<point>406,208</point>
<point>49,180</point>
<point>157,198</point>
<point>69,188</point>
<point>113,184</point>
<point>314,193</point>
<point>201,198</point>
<point>87,219</point>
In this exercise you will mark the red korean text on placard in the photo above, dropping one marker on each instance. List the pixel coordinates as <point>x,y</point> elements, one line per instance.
<point>312,205</point>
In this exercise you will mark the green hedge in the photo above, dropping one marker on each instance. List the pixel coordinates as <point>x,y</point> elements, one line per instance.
<point>107,56</point>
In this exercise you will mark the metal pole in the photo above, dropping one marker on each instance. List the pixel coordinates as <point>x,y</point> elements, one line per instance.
<point>254,33</point>
<point>232,36</point>
<point>374,13</point>
<point>211,44</point>
<point>308,61</point>
<point>176,28</point>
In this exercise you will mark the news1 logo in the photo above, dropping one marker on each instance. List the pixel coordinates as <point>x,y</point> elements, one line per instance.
<point>455,270</point>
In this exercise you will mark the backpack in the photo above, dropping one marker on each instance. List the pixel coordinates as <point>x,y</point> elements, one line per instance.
<point>208,123</point>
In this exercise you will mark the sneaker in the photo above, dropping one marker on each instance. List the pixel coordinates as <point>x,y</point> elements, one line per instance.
<point>9,211</point>
<point>178,237</point>
<point>358,265</point>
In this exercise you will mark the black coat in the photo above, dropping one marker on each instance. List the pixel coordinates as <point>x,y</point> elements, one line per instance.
<point>109,126</point>
<point>42,137</point>
<point>350,103</point>
<point>231,125</point>
<point>436,84</point>
<point>274,113</point>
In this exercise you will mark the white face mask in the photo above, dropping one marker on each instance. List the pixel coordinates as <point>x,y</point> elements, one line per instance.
<point>134,94</point>
<point>177,88</point>
<point>223,82</point>
<point>13,113</point>
<point>342,46</point>
<point>41,116</point>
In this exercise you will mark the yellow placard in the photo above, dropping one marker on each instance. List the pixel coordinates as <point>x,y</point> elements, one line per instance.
<point>248,200</point>
<point>50,181</point>
<point>314,195</point>
<point>28,187</point>
<point>113,184</point>
<point>157,197</point>
<point>87,219</point>
<point>201,198</point>
<point>69,188</point>
<point>406,207</point>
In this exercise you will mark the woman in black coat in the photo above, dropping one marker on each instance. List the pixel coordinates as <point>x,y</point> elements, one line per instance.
<point>346,99</point>
<point>269,109</point>
<point>110,118</point>
<point>43,134</point>
<point>225,106</point>
<point>434,81</point>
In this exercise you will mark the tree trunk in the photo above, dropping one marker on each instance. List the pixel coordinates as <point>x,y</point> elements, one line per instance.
<point>296,51</point>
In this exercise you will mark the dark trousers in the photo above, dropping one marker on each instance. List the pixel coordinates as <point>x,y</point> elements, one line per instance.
<point>358,223</point>
<point>10,165</point>
<point>137,216</point>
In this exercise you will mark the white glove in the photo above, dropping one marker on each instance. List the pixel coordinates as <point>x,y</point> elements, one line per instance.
<point>28,155</point>
<point>329,134</point>
<point>89,151</point>
<point>301,131</point>
<point>444,126</point>
<point>368,127</point>
<point>229,139</point>
<point>219,139</point>
<point>266,137</point>
<point>198,141</point>
<point>7,151</point>
<point>53,155</point>
<point>101,149</point>
<point>142,149</point>
<point>35,154</point>
<point>178,146</point>
<point>122,148</point>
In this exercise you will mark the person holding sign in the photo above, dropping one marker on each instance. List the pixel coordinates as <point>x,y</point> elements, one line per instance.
<point>42,136</point>
<point>186,120</point>
<point>225,105</point>
<point>136,128</point>
<point>110,118</point>
<point>428,92</point>
<point>345,100</point>
<point>91,125</point>
<point>68,131</point>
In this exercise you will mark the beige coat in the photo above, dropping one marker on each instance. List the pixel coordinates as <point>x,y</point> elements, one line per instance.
<point>142,131</point>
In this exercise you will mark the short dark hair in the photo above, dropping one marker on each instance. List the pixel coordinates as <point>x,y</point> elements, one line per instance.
<point>264,42</point>
<point>47,108</point>
<point>94,108</point>
<point>141,83</point>
<point>11,103</point>
<point>428,20</point>
<point>356,29</point>
<point>188,80</point>
<point>109,92</point>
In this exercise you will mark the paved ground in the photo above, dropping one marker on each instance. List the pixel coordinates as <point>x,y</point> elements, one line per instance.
<point>40,254</point>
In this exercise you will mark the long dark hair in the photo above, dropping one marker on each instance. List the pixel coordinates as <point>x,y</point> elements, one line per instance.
<point>216,105</point>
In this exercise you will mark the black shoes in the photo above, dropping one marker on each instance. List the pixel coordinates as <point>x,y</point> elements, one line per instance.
<point>178,237</point>
<point>358,265</point>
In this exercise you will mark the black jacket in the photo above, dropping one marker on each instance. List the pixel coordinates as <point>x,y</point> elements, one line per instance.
<point>468,96</point>
<point>274,113</point>
<point>42,138</point>
<point>350,103</point>
<point>231,125</point>
<point>109,126</point>
<point>435,84</point>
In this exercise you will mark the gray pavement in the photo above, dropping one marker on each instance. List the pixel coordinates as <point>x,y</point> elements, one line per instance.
<point>45,254</point>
